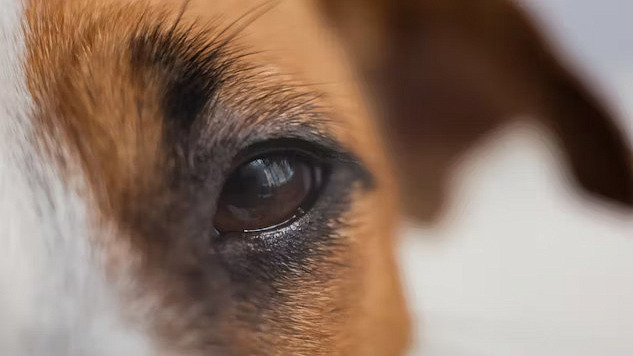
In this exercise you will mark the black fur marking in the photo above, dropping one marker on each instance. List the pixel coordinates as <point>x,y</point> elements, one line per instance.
<point>192,63</point>
<point>192,71</point>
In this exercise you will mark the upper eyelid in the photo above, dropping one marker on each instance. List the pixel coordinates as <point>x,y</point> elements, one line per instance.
<point>319,146</point>
<point>331,152</point>
<point>316,145</point>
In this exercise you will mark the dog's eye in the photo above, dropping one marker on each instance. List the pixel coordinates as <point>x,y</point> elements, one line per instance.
<point>268,191</point>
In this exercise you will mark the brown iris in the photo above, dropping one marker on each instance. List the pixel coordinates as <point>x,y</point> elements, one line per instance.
<point>267,191</point>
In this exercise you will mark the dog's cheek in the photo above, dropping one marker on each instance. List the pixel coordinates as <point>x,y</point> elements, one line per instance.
<point>380,321</point>
<point>349,302</point>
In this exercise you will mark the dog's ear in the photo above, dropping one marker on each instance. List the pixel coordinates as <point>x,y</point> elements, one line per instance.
<point>443,73</point>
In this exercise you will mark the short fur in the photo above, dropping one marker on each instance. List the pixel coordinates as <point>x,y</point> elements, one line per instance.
<point>122,120</point>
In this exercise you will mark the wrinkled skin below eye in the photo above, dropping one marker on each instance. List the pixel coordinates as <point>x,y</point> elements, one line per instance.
<point>266,192</point>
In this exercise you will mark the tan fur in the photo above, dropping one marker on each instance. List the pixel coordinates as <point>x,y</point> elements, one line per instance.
<point>106,111</point>
<point>88,94</point>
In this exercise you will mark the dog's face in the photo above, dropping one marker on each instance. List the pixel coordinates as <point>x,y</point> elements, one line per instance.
<point>194,188</point>
<point>204,177</point>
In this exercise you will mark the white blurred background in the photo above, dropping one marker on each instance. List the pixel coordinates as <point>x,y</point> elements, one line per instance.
<point>521,264</point>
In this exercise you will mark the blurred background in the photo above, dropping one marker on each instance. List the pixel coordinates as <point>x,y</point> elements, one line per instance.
<point>520,264</point>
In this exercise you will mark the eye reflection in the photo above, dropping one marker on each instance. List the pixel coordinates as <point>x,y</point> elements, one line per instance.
<point>266,192</point>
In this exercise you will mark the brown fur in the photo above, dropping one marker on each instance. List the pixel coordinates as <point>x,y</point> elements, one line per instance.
<point>90,97</point>
<point>98,91</point>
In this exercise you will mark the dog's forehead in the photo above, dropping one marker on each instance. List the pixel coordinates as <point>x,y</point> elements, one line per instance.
<point>291,36</point>
<point>295,37</point>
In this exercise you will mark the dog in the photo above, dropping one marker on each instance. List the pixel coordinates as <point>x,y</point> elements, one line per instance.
<point>223,177</point>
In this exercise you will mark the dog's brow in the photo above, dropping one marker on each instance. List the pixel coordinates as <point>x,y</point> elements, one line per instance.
<point>194,65</point>
<point>190,68</point>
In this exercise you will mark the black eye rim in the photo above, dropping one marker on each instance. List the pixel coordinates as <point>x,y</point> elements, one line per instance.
<point>321,160</point>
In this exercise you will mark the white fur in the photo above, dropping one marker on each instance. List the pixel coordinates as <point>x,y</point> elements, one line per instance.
<point>53,296</point>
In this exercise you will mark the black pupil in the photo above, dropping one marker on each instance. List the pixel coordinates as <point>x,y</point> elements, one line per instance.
<point>265,192</point>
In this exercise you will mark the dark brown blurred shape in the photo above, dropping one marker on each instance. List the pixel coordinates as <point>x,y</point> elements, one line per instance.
<point>445,73</point>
